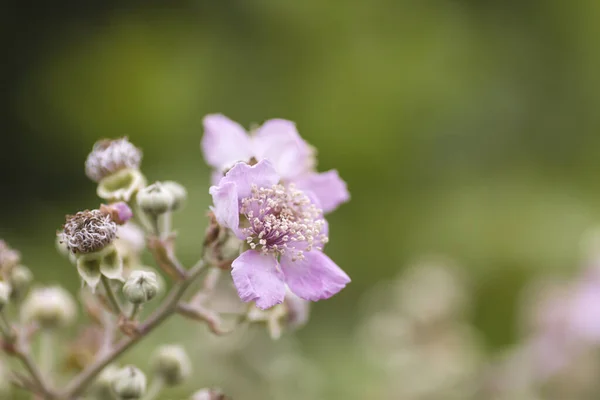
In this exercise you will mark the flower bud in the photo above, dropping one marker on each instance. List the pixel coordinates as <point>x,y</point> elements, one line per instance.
<point>88,231</point>
<point>119,212</point>
<point>9,257</point>
<point>20,279</point>
<point>171,364</point>
<point>101,389</point>
<point>4,294</point>
<point>140,287</point>
<point>179,194</point>
<point>208,394</point>
<point>129,383</point>
<point>111,156</point>
<point>155,199</point>
<point>51,307</point>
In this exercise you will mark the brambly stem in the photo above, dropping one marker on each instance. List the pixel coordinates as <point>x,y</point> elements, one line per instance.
<point>167,309</point>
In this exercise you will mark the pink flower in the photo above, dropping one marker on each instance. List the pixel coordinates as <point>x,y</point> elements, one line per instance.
<point>285,230</point>
<point>226,142</point>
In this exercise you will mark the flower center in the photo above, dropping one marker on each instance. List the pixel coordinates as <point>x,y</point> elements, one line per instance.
<point>282,220</point>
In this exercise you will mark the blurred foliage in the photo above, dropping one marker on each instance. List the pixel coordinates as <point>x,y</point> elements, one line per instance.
<point>463,127</point>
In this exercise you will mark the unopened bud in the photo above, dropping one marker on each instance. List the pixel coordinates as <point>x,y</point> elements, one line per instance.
<point>155,199</point>
<point>20,280</point>
<point>4,294</point>
<point>51,307</point>
<point>171,364</point>
<point>111,156</point>
<point>119,212</point>
<point>140,287</point>
<point>179,194</point>
<point>129,383</point>
<point>208,394</point>
<point>101,389</point>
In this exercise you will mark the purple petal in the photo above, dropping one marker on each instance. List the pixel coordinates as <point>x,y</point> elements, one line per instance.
<point>316,277</point>
<point>329,188</point>
<point>124,213</point>
<point>244,176</point>
<point>225,142</point>
<point>226,208</point>
<point>257,278</point>
<point>278,141</point>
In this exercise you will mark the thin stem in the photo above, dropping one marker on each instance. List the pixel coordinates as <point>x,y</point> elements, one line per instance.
<point>168,308</point>
<point>154,390</point>
<point>110,294</point>
<point>166,220</point>
<point>46,355</point>
<point>134,312</point>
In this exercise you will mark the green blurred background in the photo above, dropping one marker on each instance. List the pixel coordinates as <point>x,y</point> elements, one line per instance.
<point>466,128</point>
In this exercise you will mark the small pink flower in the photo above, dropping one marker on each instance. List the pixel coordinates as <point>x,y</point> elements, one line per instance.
<point>285,230</point>
<point>226,142</point>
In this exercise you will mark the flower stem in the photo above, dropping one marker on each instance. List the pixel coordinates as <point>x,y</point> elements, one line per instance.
<point>134,312</point>
<point>110,294</point>
<point>154,390</point>
<point>46,355</point>
<point>168,308</point>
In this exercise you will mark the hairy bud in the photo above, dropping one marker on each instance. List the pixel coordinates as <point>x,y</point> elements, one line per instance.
<point>171,364</point>
<point>88,231</point>
<point>179,194</point>
<point>51,307</point>
<point>155,199</point>
<point>140,287</point>
<point>129,383</point>
<point>110,156</point>
<point>20,280</point>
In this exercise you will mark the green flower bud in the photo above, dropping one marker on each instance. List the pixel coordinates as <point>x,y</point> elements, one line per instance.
<point>129,383</point>
<point>50,307</point>
<point>179,194</point>
<point>171,364</point>
<point>4,294</point>
<point>101,389</point>
<point>140,287</point>
<point>155,199</point>
<point>20,280</point>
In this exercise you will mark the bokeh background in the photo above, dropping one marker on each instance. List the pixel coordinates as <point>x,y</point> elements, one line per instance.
<point>466,128</point>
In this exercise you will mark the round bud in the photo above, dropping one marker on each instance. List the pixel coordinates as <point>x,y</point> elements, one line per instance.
<point>4,294</point>
<point>110,156</point>
<point>179,194</point>
<point>155,199</point>
<point>208,394</point>
<point>20,279</point>
<point>129,383</point>
<point>140,287</point>
<point>101,389</point>
<point>51,307</point>
<point>88,231</point>
<point>171,364</point>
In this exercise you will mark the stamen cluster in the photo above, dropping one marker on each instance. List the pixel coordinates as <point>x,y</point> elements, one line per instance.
<point>88,231</point>
<point>282,220</point>
<point>109,156</point>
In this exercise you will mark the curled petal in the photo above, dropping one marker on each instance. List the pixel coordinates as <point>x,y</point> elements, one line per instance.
<point>316,277</point>
<point>328,187</point>
<point>257,278</point>
<point>226,207</point>
<point>225,142</point>
<point>244,176</point>
<point>278,141</point>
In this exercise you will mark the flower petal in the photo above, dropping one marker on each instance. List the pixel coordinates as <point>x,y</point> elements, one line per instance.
<point>257,278</point>
<point>244,176</point>
<point>225,142</point>
<point>316,277</point>
<point>278,141</point>
<point>329,188</point>
<point>226,207</point>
